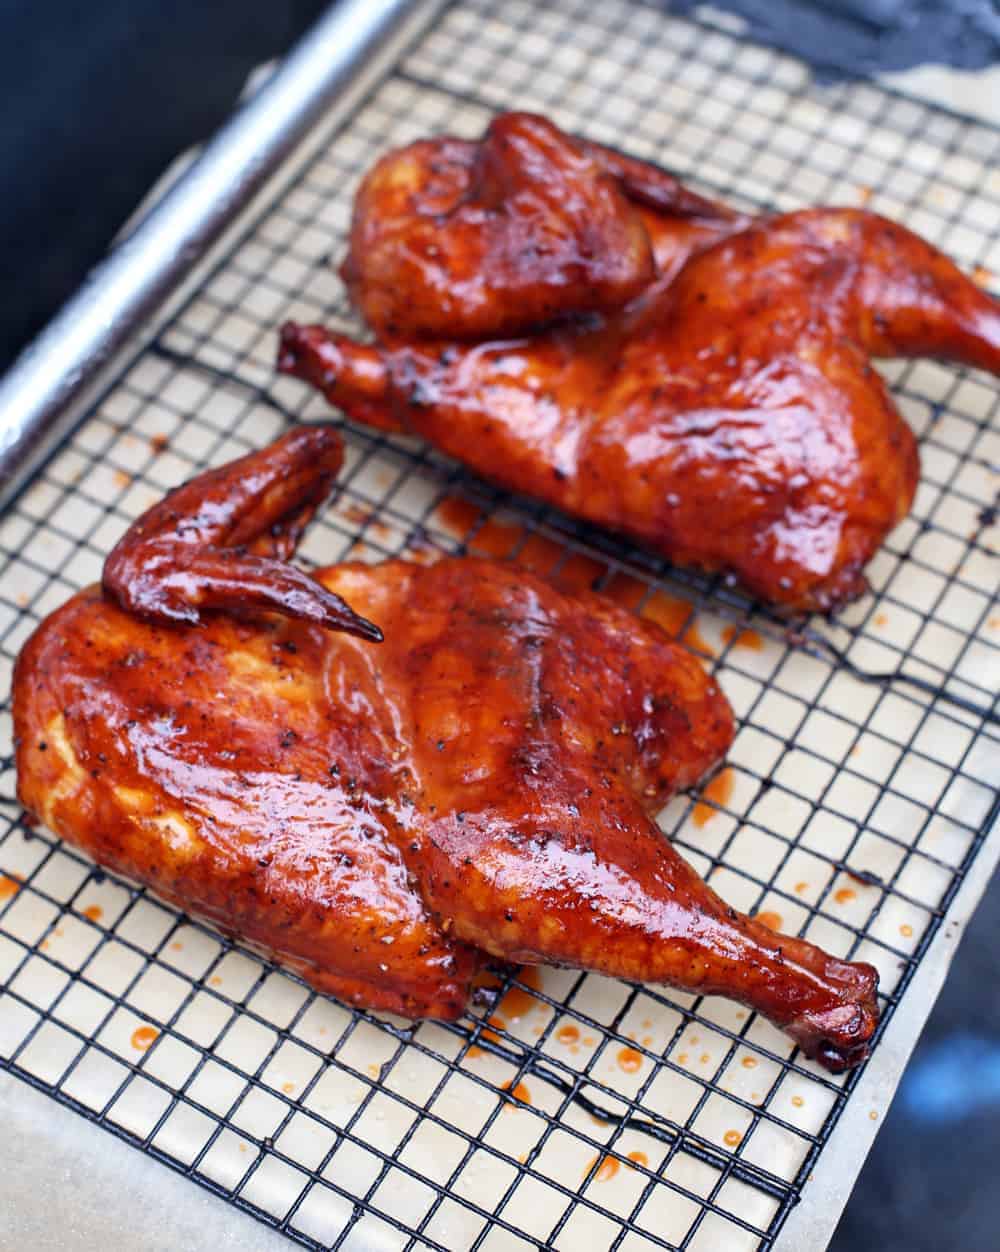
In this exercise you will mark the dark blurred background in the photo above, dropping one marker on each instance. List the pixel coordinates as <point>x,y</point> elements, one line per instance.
<point>100,98</point>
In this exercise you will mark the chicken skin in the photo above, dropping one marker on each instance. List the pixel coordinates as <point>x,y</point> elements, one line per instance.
<point>727,417</point>
<point>382,816</point>
<point>452,238</point>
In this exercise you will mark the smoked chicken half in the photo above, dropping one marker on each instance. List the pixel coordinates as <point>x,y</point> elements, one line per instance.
<point>696,379</point>
<point>383,816</point>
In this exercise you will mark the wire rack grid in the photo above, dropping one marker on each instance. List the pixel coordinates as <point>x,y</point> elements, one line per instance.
<point>578,1111</point>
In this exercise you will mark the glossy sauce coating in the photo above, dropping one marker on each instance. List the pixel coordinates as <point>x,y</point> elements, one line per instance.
<point>728,417</point>
<point>378,816</point>
<point>490,238</point>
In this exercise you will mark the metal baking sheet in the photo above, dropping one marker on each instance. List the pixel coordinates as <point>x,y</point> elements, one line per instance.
<point>855,805</point>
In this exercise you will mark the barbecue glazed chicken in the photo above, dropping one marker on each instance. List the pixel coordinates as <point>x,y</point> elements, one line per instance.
<point>382,817</point>
<point>722,410</point>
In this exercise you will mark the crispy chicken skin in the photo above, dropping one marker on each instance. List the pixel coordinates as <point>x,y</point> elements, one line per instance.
<point>452,238</point>
<point>727,417</point>
<point>379,816</point>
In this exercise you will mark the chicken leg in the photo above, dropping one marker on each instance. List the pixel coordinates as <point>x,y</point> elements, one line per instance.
<point>380,816</point>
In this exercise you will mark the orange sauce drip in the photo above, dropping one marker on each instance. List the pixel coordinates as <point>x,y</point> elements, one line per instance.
<point>158,443</point>
<point>568,1034</point>
<point>720,789</point>
<point>881,619</point>
<point>982,276</point>
<point>640,1158</point>
<point>215,981</point>
<point>143,1037</point>
<point>732,1138</point>
<point>497,1023</point>
<point>356,514</point>
<point>772,921</point>
<point>906,930</point>
<point>873,1115</point>
<point>865,193</point>
<point>122,479</point>
<point>589,1040</point>
<point>518,1090</point>
<point>682,1059</point>
<point>798,1101</point>
<point>8,886</point>
<point>94,912</point>
<point>845,895</point>
<point>177,947</point>
<point>457,514</point>
<point>605,1171</point>
<point>538,553</point>
<point>704,1058</point>
<point>800,887</point>
<point>517,1002</point>
<point>749,1062</point>
<point>288,1087</point>
<point>671,614</point>
<point>629,1060</point>
<point>745,638</point>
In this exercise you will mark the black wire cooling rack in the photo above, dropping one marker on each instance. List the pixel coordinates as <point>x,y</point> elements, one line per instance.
<point>576,1111</point>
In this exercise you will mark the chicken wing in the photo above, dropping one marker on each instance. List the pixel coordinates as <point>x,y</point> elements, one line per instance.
<point>381,816</point>
<point>728,417</point>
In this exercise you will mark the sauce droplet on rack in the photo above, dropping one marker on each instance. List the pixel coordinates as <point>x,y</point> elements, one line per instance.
<point>498,1023</point>
<point>769,919</point>
<point>801,887</point>
<point>8,886</point>
<point>798,1101</point>
<point>569,571</point>
<point>982,277</point>
<point>906,930</point>
<point>518,1090</point>
<point>568,1034</point>
<point>673,615</point>
<point>749,1062</point>
<point>745,638</point>
<point>731,1138</point>
<point>288,1087</point>
<point>720,789</point>
<point>873,1115</point>
<point>517,1001</point>
<point>143,1037</point>
<point>94,912</point>
<point>845,895</point>
<point>629,1060</point>
<point>605,1171</point>
<point>640,1158</point>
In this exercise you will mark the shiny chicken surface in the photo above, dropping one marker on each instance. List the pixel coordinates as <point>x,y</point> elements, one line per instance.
<point>382,816</point>
<point>722,411</point>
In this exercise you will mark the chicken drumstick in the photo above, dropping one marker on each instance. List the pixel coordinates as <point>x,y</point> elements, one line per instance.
<point>379,816</point>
